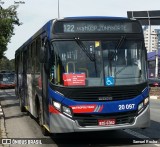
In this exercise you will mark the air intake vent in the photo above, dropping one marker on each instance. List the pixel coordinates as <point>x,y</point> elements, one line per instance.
<point>92,120</point>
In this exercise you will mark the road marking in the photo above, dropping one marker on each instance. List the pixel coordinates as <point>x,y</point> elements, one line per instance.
<point>138,135</point>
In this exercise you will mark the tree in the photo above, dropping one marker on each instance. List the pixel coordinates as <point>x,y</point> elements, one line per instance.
<point>6,64</point>
<point>8,18</point>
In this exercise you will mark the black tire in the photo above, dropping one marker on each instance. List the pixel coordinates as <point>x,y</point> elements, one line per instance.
<point>45,131</point>
<point>22,108</point>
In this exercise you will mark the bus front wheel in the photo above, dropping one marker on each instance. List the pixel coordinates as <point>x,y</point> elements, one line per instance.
<point>22,108</point>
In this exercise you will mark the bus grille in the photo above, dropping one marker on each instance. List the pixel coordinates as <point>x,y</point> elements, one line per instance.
<point>96,94</point>
<point>92,120</point>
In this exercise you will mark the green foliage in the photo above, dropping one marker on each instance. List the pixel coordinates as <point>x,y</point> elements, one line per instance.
<point>8,18</point>
<point>6,64</point>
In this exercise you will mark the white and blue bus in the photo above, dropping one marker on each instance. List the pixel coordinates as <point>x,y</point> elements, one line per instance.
<point>81,74</point>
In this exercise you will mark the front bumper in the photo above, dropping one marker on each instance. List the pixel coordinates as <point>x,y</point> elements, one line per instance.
<point>59,123</point>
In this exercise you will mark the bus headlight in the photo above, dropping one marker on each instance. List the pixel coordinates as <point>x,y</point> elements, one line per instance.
<point>140,106</point>
<point>63,109</point>
<point>146,100</point>
<point>67,111</point>
<point>57,105</point>
<point>143,104</point>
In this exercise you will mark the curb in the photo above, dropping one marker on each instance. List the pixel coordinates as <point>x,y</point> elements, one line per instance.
<point>3,129</point>
<point>3,134</point>
<point>1,112</point>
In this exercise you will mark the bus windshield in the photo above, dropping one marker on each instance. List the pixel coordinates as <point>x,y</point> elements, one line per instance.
<point>98,63</point>
<point>7,77</point>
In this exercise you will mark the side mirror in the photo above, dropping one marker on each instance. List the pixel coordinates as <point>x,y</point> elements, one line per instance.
<point>43,55</point>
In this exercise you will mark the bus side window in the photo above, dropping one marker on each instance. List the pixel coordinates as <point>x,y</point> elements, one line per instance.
<point>38,46</point>
<point>29,64</point>
<point>27,57</point>
<point>33,48</point>
<point>52,66</point>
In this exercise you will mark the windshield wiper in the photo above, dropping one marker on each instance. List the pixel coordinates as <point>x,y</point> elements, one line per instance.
<point>83,47</point>
<point>112,55</point>
<point>119,44</point>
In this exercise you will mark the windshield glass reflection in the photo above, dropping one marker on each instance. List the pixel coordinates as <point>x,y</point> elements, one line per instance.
<point>93,63</point>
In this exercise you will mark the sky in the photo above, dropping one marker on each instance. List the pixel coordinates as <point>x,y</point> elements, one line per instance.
<point>35,13</point>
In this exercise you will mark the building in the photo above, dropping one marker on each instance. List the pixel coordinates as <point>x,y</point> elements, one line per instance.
<point>158,34</point>
<point>152,43</point>
<point>151,38</point>
<point>152,64</point>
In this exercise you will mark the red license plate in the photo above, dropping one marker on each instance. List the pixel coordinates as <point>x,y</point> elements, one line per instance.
<point>106,122</point>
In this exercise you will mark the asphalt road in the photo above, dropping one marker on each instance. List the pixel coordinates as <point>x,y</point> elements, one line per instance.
<point>21,125</point>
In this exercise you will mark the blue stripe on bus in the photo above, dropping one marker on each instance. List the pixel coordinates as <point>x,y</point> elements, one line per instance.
<point>108,106</point>
<point>53,95</point>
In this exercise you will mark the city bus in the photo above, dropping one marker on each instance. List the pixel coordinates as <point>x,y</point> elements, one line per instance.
<point>7,79</point>
<point>80,74</point>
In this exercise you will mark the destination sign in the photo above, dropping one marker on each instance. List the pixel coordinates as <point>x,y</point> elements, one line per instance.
<point>97,27</point>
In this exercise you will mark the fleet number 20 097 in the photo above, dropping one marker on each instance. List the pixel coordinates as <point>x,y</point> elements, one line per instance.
<point>126,107</point>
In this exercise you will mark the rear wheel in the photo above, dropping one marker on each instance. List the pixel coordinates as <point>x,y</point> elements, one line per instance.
<point>44,131</point>
<point>22,108</point>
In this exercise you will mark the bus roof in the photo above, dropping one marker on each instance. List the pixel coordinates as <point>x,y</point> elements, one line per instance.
<point>95,17</point>
<point>47,26</point>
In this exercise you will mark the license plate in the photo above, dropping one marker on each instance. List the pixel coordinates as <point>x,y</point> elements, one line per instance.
<point>106,122</point>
